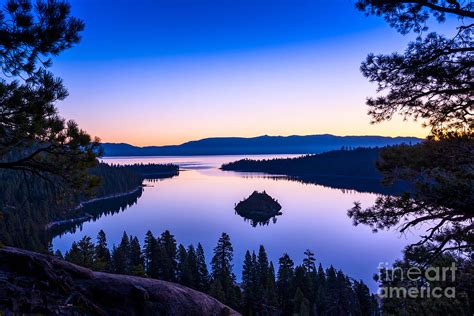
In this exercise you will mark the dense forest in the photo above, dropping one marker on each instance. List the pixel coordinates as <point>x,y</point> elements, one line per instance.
<point>358,162</point>
<point>347,169</point>
<point>150,170</point>
<point>305,289</point>
<point>28,203</point>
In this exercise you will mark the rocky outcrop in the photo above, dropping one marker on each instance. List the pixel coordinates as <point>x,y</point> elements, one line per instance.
<point>258,204</point>
<point>258,208</point>
<point>37,283</point>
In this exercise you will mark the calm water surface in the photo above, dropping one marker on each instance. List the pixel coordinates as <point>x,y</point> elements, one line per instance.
<point>198,205</point>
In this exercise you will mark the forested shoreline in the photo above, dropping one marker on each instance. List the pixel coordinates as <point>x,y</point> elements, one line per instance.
<point>302,289</point>
<point>346,162</point>
<point>29,203</point>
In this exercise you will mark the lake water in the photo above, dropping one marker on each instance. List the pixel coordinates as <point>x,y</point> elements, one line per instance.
<point>198,205</point>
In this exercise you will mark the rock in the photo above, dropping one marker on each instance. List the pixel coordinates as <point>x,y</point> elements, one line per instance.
<point>36,283</point>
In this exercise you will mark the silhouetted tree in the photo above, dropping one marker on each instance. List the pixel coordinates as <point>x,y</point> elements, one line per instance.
<point>136,258</point>
<point>121,256</point>
<point>102,253</point>
<point>187,271</point>
<point>192,267</point>
<point>414,258</point>
<point>272,297</point>
<point>203,273</point>
<point>221,264</point>
<point>301,304</point>
<point>248,285</point>
<point>86,252</point>
<point>364,298</point>
<point>432,81</point>
<point>320,297</point>
<point>33,138</point>
<point>168,256</point>
<point>285,283</point>
<point>73,255</point>
<point>148,250</point>
<point>298,291</point>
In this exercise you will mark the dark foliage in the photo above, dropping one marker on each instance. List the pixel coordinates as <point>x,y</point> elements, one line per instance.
<point>433,79</point>
<point>28,203</point>
<point>33,138</point>
<point>151,170</point>
<point>359,162</point>
<point>442,172</point>
<point>455,286</point>
<point>300,290</point>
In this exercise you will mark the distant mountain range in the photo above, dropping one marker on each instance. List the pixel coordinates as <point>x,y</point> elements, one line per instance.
<point>310,144</point>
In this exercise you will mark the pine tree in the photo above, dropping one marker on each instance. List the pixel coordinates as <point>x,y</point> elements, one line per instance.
<point>121,256</point>
<point>257,290</point>
<point>203,274</point>
<point>148,248</point>
<point>73,255</point>
<point>192,267</point>
<point>363,298</point>
<point>248,284</point>
<point>152,251</point>
<point>217,291</point>
<point>182,274</point>
<point>300,280</point>
<point>301,304</point>
<point>345,294</point>
<point>136,259</point>
<point>221,264</point>
<point>168,256</point>
<point>272,297</point>
<point>338,292</point>
<point>284,283</point>
<point>321,290</point>
<point>86,251</point>
<point>309,261</point>
<point>102,253</point>
<point>262,291</point>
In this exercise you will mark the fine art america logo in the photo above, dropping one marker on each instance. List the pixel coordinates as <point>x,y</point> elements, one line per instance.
<point>417,283</point>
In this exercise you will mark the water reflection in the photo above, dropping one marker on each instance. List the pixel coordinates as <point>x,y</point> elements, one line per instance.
<point>198,205</point>
<point>95,210</point>
<point>344,184</point>
<point>259,220</point>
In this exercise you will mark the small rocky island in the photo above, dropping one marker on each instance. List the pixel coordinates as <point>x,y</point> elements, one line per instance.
<point>259,208</point>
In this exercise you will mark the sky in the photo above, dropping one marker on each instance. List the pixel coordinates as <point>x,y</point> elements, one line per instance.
<point>161,72</point>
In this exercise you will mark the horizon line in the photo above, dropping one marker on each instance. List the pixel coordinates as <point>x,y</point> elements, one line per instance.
<point>258,136</point>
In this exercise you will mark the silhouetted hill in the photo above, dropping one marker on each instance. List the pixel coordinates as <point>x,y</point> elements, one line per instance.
<point>310,144</point>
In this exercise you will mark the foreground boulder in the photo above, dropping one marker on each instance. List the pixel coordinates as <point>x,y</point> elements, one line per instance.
<point>37,283</point>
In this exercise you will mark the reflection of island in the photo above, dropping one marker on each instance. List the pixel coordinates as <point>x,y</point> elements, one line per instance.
<point>259,208</point>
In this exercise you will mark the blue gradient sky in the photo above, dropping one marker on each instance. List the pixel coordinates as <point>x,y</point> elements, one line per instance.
<point>164,72</point>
